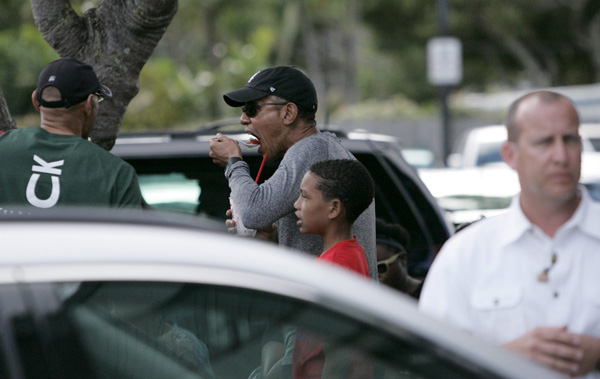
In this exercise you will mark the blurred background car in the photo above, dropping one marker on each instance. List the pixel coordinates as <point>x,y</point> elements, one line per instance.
<point>481,146</point>
<point>478,147</point>
<point>478,183</point>
<point>146,295</point>
<point>176,174</point>
<point>468,194</point>
<point>592,132</point>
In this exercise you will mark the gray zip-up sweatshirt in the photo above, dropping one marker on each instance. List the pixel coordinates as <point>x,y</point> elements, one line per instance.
<point>273,201</point>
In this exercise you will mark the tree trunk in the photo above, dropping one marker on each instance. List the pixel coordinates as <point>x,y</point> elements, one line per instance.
<point>117,38</point>
<point>6,121</point>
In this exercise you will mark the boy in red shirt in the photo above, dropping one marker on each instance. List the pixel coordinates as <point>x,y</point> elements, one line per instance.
<point>332,195</point>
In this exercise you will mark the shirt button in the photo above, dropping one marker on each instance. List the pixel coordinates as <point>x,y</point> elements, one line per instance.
<point>555,295</point>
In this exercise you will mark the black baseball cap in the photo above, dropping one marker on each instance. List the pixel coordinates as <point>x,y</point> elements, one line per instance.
<point>286,82</point>
<point>74,79</point>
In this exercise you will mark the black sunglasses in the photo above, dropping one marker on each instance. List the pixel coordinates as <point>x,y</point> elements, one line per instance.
<point>384,266</point>
<point>251,109</point>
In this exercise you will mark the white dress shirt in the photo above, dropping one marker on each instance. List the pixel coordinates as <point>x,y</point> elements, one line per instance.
<point>486,278</point>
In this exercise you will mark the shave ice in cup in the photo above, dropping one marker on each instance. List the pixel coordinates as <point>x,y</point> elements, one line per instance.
<point>241,230</point>
<point>239,225</point>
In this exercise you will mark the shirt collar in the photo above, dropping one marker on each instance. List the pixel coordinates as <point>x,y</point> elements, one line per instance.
<point>518,224</point>
<point>585,218</point>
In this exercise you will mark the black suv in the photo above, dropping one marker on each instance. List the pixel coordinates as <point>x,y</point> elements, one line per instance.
<point>176,174</point>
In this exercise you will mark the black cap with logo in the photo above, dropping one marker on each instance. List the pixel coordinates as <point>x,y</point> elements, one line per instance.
<point>74,79</point>
<point>286,82</point>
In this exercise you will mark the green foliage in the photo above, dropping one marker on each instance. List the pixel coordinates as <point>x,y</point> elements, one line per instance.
<point>163,93</point>
<point>23,54</point>
<point>214,46</point>
<point>13,13</point>
<point>383,109</point>
<point>173,94</point>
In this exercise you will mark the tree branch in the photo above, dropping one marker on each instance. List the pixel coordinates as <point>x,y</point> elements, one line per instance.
<point>117,38</point>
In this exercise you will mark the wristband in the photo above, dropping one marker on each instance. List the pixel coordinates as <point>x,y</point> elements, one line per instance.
<point>231,161</point>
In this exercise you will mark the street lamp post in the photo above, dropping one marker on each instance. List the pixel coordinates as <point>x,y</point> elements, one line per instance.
<point>444,68</point>
<point>444,30</point>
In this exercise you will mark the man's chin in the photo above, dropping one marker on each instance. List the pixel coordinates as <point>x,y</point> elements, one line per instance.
<point>565,193</point>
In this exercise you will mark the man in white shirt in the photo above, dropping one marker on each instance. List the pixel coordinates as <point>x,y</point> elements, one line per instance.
<point>529,279</point>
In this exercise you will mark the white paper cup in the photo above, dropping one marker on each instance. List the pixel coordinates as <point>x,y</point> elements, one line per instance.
<point>241,230</point>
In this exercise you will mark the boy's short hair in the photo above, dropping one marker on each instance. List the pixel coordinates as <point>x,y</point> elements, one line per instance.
<point>347,180</point>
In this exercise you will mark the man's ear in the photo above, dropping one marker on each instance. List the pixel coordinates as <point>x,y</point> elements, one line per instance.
<point>509,152</point>
<point>34,100</point>
<point>89,104</point>
<point>335,208</point>
<point>291,113</point>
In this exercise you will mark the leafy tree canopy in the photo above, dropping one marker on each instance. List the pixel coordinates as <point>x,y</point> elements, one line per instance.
<point>355,50</point>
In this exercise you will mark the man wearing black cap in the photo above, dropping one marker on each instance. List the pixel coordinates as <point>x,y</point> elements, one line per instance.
<point>54,164</point>
<point>278,108</point>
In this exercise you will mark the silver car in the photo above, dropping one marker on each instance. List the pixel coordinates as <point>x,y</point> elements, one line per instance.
<point>101,294</point>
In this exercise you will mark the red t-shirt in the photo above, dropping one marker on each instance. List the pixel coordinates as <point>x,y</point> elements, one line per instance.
<point>349,254</point>
<point>309,357</point>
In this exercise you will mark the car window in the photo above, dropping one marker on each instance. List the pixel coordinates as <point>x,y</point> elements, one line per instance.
<point>594,190</point>
<point>168,330</point>
<point>419,157</point>
<point>170,192</point>
<point>489,152</point>
<point>190,184</point>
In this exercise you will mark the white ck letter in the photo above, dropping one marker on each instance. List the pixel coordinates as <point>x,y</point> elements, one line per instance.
<point>45,168</point>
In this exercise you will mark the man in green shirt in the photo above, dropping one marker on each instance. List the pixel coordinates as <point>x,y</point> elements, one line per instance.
<point>54,164</point>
